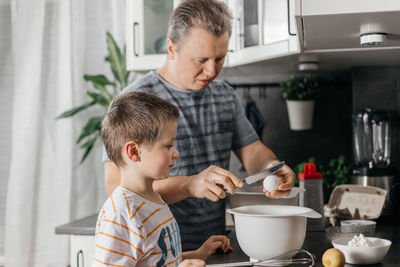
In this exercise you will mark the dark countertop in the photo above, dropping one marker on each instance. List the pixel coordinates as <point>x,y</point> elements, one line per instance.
<point>315,242</point>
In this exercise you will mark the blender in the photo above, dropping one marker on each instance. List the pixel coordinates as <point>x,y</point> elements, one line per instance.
<point>371,150</point>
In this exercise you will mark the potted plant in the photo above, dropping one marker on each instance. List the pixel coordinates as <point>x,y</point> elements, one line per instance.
<point>102,93</point>
<point>300,93</point>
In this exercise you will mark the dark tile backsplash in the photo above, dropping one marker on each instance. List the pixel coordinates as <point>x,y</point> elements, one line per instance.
<point>331,132</point>
<point>341,93</point>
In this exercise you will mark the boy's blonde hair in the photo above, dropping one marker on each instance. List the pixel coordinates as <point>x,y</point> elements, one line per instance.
<point>134,116</point>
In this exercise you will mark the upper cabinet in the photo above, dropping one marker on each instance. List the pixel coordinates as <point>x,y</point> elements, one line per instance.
<point>146,29</point>
<point>342,25</point>
<point>329,32</point>
<point>261,29</point>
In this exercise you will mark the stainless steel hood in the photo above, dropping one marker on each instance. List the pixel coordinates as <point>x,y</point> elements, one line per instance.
<point>332,29</point>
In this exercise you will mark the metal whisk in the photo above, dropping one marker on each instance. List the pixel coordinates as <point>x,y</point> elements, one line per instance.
<point>280,260</point>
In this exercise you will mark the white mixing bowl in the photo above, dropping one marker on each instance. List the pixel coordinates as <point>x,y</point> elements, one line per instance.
<point>266,231</point>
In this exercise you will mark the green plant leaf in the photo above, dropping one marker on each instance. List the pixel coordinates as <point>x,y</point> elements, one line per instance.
<point>73,111</point>
<point>116,60</point>
<point>103,96</point>
<point>123,64</point>
<point>98,79</point>
<point>89,146</point>
<point>98,98</point>
<point>300,88</point>
<point>100,82</point>
<point>337,171</point>
<point>341,159</point>
<point>93,125</point>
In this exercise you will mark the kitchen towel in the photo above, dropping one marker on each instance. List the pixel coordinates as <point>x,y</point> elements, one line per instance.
<point>254,116</point>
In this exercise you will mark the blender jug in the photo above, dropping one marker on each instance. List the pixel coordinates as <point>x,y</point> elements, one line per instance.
<point>362,137</point>
<point>371,148</point>
<point>381,139</point>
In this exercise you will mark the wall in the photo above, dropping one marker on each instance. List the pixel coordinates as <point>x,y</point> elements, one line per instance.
<point>331,134</point>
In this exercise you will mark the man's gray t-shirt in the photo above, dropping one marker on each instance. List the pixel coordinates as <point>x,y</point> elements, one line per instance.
<point>212,123</point>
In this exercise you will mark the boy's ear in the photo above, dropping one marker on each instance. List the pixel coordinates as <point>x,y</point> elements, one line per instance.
<point>132,151</point>
<point>170,49</point>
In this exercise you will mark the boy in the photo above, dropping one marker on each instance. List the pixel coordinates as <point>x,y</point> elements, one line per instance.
<point>135,227</point>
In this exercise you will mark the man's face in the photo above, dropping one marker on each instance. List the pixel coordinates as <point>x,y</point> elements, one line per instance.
<point>199,59</point>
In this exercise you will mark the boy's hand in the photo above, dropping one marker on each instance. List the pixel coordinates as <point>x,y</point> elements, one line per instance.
<point>192,263</point>
<point>211,245</point>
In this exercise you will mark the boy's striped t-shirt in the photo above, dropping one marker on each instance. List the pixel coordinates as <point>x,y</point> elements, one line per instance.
<point>132,231</point>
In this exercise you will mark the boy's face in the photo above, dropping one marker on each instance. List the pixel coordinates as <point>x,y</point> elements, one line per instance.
<point>158,159</point>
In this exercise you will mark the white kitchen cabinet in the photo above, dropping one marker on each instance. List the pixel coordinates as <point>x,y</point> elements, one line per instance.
<point>82,250</point>
<point>146,29</point>
<point>262,29</point>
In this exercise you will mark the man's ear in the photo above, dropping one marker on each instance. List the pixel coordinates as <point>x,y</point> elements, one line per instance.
<point>171,49</point>
<point>132,151</point>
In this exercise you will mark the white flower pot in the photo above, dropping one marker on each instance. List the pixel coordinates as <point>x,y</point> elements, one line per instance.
<point>300,114</point>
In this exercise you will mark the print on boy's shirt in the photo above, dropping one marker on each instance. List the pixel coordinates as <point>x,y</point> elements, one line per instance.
<point>175,243</point>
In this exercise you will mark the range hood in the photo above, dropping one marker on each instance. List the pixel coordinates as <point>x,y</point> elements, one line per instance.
<point>334,31</point>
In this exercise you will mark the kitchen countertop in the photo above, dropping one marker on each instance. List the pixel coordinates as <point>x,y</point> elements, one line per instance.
<point>315,242</point>
<point>84,226</point>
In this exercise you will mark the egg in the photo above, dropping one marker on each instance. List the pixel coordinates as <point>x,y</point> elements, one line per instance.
<point>271,183</point>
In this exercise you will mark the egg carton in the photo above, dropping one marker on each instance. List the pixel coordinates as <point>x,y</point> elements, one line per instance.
<point>355,202</point>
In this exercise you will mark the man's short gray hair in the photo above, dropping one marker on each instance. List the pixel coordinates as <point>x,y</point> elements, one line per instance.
<point>211,15</point>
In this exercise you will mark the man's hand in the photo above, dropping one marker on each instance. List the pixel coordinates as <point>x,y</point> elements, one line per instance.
<point>287,177</point>
<point>211,245</point>
<point>192,263</point>
<point>210,183</point>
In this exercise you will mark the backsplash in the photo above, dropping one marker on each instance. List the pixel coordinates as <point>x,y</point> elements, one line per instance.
<point>341,93</point>
<point>330,135</point>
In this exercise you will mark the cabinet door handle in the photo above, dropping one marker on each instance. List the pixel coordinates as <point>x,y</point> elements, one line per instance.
<point>135,25</point>
<point>80,252</point>
<point>240,34</point>
<point>288,19</point>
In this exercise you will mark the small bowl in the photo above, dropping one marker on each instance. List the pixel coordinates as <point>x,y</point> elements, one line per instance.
<point>334,232</point>
<point>363,255</point>
<point>358,223</point>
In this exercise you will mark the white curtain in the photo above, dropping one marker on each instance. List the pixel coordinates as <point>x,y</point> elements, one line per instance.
<point>5,107</point>
<point>53,43</point>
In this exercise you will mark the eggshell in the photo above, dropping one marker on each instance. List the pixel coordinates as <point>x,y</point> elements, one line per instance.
<point>271,183</point>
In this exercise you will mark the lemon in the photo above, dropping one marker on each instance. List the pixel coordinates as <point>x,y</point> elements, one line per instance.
<point>333,258</point>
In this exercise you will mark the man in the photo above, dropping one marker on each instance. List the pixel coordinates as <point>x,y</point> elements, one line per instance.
<point>212,123</point>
